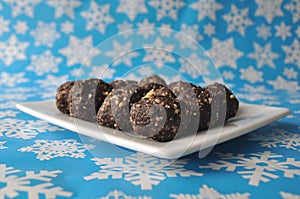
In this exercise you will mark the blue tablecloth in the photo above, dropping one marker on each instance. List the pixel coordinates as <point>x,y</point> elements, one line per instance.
<point>253,45</point>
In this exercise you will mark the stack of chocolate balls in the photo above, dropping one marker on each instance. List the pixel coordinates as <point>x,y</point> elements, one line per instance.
<point>148,108</point>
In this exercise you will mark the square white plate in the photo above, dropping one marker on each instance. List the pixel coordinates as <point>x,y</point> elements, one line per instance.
<point>248,118</point>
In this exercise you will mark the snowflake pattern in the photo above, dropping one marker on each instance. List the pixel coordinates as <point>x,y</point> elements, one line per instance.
<point>122,53</point>
<point>12,50</point>
<point>64,7</point>
<point>269,9</point>
<point>258,167</point>
<point>224,53</point>
<point>45,34</point>
<point>21,27</point>
<point>44,63</point>
<point>12,79</point>
<point>49,149</point>
<point>201,69</point>
<point>25,7</point>
<point>251,75</point>
<point>282,84</point>
<point>238,20</point>
<point>293,7</point>
<point>14,183</point>
<point>283,31</point>
<point>292,53</point>
<point>206,9</point>
<point>132,8</point>
<point>116,194</point>
<point>189,36</point>
<point>98,17</point>
<point>263,31</point>
<point>67,27</point>
<point>3,26</point>
<point>80,51</point>
<point>158,53</point>
<point>206,192</point>
<point>167,8</point>
<point>140,169</point>
<point>25,129</point>
<point>278,138</point>
<point>264,55</point>
<point>105,72</point>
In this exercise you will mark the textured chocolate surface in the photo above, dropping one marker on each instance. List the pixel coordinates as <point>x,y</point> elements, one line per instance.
<point>156,117</point>
<point>86,97</point>
<point>62,96</point>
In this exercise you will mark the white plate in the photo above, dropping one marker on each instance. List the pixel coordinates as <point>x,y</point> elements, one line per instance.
<point>248,118</point>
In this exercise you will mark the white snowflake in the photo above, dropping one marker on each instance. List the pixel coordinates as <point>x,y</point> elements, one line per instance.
<point>228,74</point>
<point>283,31</point>
<point>103,72</point>
<point>115,194</point>
<point>277,138</point>
<point>206,192</point>
<point>64,7</point>
<point>293,7</point>
<point>292,52</point>
<point>132,8</point>
<point>281,84</point>
<point>34,184</point>
<point>98,17</point>
<point>209,29</point>
<point>22,7</point>
<point>256,97</point>
<point>8,113</point>
<point>12,79</point>
<point>189,36</point>
<point>269,9</point>
<point>25,129</point>
<point>206,9</point>
<point>258,167</point>
<point>67,27</point>
<point>158,53</point>
<point>77,72</point>
<point>290,73</point>
<point>251,75</point>
<point>4,25</point>
<point>2,146</point>
<point>237,20</point>
<point>122,53</point>
<point>12,49</point>
<point>21,27</point>
<point>298,32</point>
<point>44,63</point>
<point>224,53</point>
<point>45,34</point>
<point>264,55</point>
<point>188,67</point>
<point>263,31</point>
<point>145,28</point>
<point>49,149</point>
<point>145,71</point>
<point>140,169</point>
<point>286,195</point>
<point>165,30</point>
<point>125,27</point>
<point>166,8</point>
<point>80,51</point>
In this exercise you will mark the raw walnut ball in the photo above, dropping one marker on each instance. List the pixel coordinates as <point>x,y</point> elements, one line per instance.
<point>156,117</point>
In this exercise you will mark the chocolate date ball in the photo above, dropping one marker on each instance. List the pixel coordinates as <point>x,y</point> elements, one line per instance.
<point>86,97</point>
<point>156,117</point>
<point>62,95</point>
<point>114,112</point>
<point>153,79</point>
